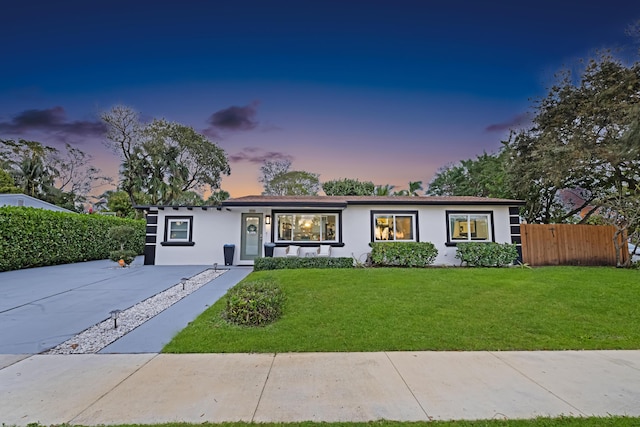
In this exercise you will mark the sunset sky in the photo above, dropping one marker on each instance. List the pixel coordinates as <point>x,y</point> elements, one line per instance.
<point>384,91</point>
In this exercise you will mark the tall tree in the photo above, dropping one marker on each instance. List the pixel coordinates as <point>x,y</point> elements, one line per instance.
<point>123,136</point>
<point>348,187</point>
<point>412,190</point>
<point>64,178</point>
<point>295,183</point>
<point>7,184</point>
<point>621,209</point>
<point>484,176</point>
<point>163,160</point>
<point>383,190</point>
<point>269,170</point>
<point>75,173</point>
<point>27,163</point>
<point>414,187</point>
<point>585,138</point>
<point>217,197</point>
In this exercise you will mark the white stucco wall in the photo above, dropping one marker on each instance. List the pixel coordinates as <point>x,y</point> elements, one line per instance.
<point>432,222</point>
<point>212,229</point>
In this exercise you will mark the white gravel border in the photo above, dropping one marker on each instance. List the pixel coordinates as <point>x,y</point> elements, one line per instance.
<point>97,337</point>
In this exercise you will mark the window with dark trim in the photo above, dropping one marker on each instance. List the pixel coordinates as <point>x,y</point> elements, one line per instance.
<point>469,226</point>
<point>178,231</point>
<point>307,227</point>
<point>395,226</point>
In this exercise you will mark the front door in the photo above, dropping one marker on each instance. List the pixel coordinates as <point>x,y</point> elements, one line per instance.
<point>251,238</point>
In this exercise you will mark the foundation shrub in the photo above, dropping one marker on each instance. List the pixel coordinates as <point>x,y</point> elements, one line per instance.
<point>490,254</point>
<point>403,254</point>
<point>281,263</point>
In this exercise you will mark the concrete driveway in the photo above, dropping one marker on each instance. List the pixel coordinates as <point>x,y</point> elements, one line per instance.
<point>43,307</point>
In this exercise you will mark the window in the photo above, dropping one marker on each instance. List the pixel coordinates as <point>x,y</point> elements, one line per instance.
<point>306,227</point>
<point>394,226</point>
<point>178,230</point>
<point>470,226</point>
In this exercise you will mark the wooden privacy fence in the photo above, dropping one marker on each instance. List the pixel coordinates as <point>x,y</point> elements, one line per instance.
<point>570,244</point>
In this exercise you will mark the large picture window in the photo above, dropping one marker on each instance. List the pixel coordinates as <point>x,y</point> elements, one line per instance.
<point>394,226</point>
<point>470,226</point>
<point>306,227</point>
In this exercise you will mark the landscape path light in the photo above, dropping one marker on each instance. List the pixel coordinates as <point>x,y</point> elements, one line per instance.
<point>114,316</point>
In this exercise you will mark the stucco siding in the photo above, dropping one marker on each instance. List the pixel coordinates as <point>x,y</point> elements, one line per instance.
<point>213,228</point>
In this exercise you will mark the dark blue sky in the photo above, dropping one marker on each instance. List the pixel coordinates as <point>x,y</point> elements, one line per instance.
<point>378,90</point>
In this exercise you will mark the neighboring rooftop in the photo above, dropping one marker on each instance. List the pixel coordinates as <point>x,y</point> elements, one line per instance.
<point>29,202</point>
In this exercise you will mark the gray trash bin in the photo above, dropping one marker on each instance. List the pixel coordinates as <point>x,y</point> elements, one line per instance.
<point>268,249</point>
<point>229,251</point>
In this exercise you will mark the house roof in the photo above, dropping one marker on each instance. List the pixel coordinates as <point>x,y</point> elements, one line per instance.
<point>343,201</point>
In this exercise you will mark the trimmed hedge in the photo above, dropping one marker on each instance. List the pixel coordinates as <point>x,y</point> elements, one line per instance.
<point>489,254</point>
<point>31,237</point>
<point>280,263</point>
<point>403,254</point>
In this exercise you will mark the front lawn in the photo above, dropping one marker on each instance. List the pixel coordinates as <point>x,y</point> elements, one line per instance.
<point>553,308</point>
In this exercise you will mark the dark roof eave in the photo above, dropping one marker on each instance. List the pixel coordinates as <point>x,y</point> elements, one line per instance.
<point>440,202</point>
<point>342,204</point>
<point>162,207</point>
<point>300,204</point>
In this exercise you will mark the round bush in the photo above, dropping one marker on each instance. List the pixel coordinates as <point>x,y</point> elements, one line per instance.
<point>125,255</point>
<point>256,303</point>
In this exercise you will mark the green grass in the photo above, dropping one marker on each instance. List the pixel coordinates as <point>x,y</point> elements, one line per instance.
<point>553,308</point>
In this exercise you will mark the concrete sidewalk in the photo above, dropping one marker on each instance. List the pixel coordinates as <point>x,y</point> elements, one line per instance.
<point>407,386</point>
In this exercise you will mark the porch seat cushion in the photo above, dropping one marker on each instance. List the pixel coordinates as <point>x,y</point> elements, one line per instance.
<point>293,250</point>
<point>324,250</point>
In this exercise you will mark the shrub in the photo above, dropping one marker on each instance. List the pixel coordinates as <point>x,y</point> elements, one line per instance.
<point>490,254</point>
<point>123,254</point>
<point>121,234</point>
<point>403,254</point>
<point>31,237</point>
<point>281,263</point>
<point>256,303</point>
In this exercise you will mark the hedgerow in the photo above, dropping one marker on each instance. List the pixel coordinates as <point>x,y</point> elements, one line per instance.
<point>280,263</point>
<point>31,237</point>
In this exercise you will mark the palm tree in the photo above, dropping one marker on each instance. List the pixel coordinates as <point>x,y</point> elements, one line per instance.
<point>414,187</point>
<point>33,177</point>
<point>383,190</point>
